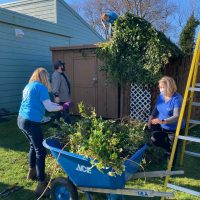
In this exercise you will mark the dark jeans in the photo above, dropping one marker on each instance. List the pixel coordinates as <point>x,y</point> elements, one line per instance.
<point>37,152</point>
<point>164,139</point>
<point>65,114</point>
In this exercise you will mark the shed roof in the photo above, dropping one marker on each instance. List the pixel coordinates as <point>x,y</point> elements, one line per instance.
<point>66,48</point>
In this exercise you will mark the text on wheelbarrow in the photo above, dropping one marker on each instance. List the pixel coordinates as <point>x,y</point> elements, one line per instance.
<point>83,168</point>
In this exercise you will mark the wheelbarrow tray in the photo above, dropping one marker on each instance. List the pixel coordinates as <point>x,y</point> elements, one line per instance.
<point>80,172</point>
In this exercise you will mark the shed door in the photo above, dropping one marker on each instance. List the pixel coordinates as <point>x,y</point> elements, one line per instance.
<point>85,81</point>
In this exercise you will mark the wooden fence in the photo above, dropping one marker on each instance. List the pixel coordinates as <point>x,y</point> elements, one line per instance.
<point>179,70</point>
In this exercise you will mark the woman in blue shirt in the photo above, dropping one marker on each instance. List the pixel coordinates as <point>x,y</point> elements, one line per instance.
<point>34,102</point>
<point>164,117</point>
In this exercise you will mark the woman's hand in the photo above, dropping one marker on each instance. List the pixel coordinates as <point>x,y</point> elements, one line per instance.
<point>156,121</point>
<point>148,124</point>
<point>67,105</point>
<point>57,100</point>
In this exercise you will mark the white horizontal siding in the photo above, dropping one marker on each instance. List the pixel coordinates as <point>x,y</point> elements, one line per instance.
<point>44,9</point>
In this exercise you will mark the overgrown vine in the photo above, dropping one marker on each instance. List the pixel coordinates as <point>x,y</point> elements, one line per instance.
<point>137,52</point>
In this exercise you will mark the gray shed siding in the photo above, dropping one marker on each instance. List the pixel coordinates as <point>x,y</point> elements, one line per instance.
<point>20,56</point>
<point>42,9</point>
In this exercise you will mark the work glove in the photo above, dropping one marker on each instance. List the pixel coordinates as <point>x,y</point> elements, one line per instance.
<point>67,105</point>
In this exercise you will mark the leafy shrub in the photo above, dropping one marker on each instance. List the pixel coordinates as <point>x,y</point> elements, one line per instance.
<point>109,143</point>
<point>137,52</point>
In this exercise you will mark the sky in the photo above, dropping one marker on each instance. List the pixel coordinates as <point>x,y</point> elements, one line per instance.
<point>68,1</point>
<point>184,6</point>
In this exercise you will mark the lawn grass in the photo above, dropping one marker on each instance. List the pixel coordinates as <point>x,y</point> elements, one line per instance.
<point>14,167</point>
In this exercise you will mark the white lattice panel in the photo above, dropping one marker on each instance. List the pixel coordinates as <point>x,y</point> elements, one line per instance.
<point>140,102</point>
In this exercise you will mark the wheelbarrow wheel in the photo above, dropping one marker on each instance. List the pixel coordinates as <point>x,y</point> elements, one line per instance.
<point>63,189</point>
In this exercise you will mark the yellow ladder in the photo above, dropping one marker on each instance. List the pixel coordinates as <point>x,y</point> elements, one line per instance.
<point>191,87</point>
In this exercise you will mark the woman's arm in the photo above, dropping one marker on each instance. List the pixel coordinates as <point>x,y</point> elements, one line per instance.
<point>173,118</point>
<point>50,106</point>
<point>154,113</point>
<point>169,120</point>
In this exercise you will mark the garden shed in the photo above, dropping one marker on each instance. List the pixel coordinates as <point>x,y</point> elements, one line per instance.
<point>28,29</point>
<point>90,85</point>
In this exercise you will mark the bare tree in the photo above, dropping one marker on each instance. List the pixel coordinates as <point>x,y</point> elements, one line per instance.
<point>167,16</point>
<point>181,16</point>
<point>155,11</point>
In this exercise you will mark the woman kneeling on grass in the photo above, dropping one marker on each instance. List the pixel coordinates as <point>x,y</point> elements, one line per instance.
<point>34,102</point>
<point>164,117</point>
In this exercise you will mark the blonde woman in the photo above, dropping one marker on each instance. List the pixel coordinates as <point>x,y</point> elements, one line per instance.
<point>164,117</point>
<point>34,102</point>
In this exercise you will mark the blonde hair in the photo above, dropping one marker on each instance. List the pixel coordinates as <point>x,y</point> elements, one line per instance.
<point>169,83</point>
<point>41,75</point>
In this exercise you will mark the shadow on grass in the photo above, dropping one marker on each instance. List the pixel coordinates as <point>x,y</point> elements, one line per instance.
<point>11,137</point>
<point>20,194</point>
<point>3,119</point>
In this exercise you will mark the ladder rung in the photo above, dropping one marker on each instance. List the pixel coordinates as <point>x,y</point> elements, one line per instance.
<point>195,103</point>
<point>197,84</point>
<point>192,153</point>
<point>194,89</point>
<point>183,189</point>
<point>192,121</point>
<point>189,138</point>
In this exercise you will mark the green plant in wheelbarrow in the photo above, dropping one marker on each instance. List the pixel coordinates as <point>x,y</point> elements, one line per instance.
<point>109,143</point>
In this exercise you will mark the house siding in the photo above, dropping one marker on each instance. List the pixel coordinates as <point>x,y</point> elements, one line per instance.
<point>62,14</point>
<point>20,56</point>
<point>44,9</point>
<point>67,18</point>
<point>45,24</point>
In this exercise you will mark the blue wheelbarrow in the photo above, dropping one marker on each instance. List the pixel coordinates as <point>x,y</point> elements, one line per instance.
<point>82,177</point>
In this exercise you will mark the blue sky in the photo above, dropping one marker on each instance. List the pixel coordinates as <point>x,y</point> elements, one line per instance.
<point>7,1</point>
<point>184,6</point>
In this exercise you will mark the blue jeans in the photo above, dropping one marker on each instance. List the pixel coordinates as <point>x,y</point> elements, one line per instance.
<point>37,152</point>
